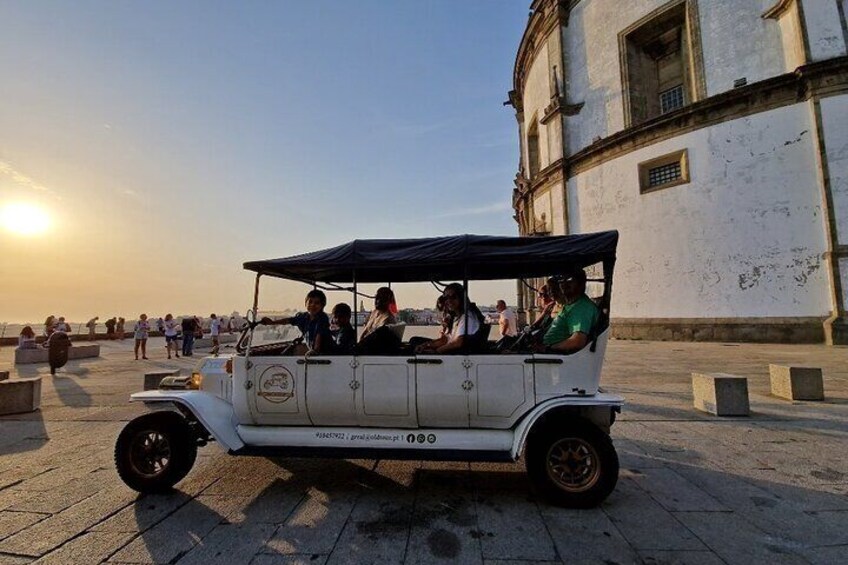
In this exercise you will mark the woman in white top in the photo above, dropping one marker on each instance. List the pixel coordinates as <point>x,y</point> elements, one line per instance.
<point>464,326</point>
<point>141,331</point>
<point>171,339</point>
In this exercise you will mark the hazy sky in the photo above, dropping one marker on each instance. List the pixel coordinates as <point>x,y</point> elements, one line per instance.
<point>169,142</point>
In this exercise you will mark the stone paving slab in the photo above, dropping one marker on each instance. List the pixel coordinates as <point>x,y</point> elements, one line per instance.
<point>693,488</point>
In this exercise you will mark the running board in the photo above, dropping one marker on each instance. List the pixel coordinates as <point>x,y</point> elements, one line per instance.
<point>376,453</point>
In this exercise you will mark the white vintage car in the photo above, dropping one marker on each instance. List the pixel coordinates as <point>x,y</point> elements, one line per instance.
<point>482,405</point>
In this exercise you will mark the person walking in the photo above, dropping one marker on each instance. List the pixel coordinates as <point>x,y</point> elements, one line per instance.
<point>170,329</point>
<point>92,328</point>
<point>214,331</point>
<point>119,329</point>
<point>140,333</point>
<point>187,326</point>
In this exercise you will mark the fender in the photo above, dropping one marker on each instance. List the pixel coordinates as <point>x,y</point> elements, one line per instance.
<point>215,414</point>
<point>523,428</point>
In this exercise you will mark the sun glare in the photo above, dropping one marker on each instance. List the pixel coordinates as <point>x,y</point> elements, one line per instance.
<point>24,219</point>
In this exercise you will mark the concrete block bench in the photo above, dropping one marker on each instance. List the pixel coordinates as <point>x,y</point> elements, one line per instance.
<point>721,394</point>
<point>20,395</point>
<point>205,342</point>
<point>40,354</point>
<point>152,380</point>
<point>796,383</point>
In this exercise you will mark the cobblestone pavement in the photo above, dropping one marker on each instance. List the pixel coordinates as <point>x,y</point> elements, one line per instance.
<point>772,488</point>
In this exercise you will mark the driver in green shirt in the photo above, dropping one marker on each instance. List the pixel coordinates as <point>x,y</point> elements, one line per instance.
<point>570,330</point>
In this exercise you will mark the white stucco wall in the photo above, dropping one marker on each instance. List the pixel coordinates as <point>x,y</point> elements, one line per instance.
<point>736,42</point>
<point>742,239</point>
<point>537,97</point>
<point>824,29</point>
<point>834,111</point>
<point>843,270</point>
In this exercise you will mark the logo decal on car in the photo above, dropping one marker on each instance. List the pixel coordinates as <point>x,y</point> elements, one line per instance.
<point>276,384</point>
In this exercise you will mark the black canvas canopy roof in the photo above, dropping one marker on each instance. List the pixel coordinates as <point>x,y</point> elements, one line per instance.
<point>472,257</point>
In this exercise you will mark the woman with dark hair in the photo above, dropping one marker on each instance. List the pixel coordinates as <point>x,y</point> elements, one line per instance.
<point>27,338</point>
<point>465,324</point>
<point>381,315</point>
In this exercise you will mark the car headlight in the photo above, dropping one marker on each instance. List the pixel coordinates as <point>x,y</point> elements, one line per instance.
<point>196,381</point>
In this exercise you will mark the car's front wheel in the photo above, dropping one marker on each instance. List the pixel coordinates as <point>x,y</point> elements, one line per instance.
<point>155,451</point>
<point>572,463</point>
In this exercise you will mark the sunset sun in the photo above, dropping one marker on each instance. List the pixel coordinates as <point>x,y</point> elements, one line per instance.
<point>24,219</point>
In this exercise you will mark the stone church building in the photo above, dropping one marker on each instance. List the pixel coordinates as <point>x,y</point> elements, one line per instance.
<point>713,134</point>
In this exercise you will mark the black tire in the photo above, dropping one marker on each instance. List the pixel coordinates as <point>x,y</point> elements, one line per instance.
<point>155,451</point>
<point>572,463</point>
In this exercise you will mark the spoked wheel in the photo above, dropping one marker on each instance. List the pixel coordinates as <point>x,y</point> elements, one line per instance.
<point>572,463</point>
<point>155,451</point>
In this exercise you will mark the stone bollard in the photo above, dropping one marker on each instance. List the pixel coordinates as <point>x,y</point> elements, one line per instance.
<point>721,394</point>
<point>796,383</point>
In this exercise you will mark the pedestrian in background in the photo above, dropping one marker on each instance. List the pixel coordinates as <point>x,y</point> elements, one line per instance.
<point>214,331</point>
<point>140,333</point>
<point>62,326</point>
<point>187,326</point>
<point>171,340</point>
<point>506,320</point>
<point>48,325</point>
<point>110,327</point>
<point>119,329</point>
<point>92,328</point>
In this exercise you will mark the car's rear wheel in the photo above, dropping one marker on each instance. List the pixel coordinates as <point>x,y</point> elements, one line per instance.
<point>155,451</point>
<point>572,463</point>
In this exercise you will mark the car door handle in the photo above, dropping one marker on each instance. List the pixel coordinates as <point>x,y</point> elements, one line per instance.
<point>534,361</point>
<point>424,361</point>
<point>313,361</point>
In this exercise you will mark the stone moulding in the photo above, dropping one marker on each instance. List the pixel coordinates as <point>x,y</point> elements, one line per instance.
<point>742,330</point>
<point>778,9</point>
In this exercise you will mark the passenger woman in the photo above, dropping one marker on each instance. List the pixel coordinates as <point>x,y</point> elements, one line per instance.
<point>465,324</point>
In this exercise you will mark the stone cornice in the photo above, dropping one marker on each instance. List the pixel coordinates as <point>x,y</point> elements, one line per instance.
<point>821,79</point>
<point>550,173</point>
<point>557,106</point>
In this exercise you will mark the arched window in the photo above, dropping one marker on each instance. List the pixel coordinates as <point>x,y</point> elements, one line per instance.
<point>533,149</point>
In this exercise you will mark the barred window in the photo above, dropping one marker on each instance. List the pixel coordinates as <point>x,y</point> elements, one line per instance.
<point>671,99</point>
<point>664,172</point>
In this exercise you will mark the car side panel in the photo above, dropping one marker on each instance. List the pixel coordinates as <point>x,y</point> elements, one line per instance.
<point>330,391</point>
<point>277,393</point>
<point>385,392</point>
<point>502,390</point>
<point>442,401</point>
<point>578,374</point>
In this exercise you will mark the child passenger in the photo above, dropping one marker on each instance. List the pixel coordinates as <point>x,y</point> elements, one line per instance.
<point>344,336</point>
<point>314,323</point>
